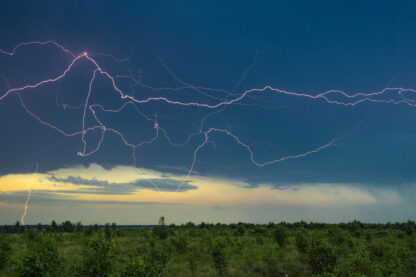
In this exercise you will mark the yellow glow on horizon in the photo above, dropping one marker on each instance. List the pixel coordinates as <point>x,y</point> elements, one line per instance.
<point>209,192</point>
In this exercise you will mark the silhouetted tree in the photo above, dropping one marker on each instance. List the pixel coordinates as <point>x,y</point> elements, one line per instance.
<point>79,227</point>
<point>17,227</point>
<point>67,227</point>
<point>161,230</point>
<point>107,230</point>
<point>113,226</point>
<point>54,226</point>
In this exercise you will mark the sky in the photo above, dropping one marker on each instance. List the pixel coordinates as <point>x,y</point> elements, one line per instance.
<point>207,111</point>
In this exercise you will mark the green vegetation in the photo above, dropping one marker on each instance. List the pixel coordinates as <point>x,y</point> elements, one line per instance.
<point>297,249</point>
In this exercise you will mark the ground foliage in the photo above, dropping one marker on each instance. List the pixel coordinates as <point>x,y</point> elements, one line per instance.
<point>283,249</point>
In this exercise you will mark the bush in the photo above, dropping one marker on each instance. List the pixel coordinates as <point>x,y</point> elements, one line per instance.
<point>358,264</point>
<point>32,235</point>
<point>5,250</point>
<point>240,231</point>
<point>97,259</point>
<point>280,235</point>
<point>107,230</point>
<point>301,242</point>
<point>219,258</point>
<point>273,266</point>
<point>191,258</point>
<point>180,243</point>
<point>378,250</point>
<point>390,263</point>
<point>137,267</point>
<point>41,259</point>
<point>152,265</point>
<point>321,257</point>
<point>336,235</point>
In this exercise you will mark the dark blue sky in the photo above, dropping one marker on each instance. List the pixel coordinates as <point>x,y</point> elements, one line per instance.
<point>303,46</point>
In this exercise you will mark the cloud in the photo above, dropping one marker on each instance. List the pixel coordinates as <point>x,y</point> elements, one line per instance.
<point>105,187</point>
<point>202,198</point>
<point>53,198</point>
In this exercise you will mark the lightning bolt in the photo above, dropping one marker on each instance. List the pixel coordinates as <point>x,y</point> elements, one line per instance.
<point>22,220</point>
<point>389,95</point>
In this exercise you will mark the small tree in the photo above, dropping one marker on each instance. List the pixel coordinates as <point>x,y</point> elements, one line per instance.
<point>220,261</point>
<point>280,235</point>
<point>5,250</point>
<point>40,259</point>
<point>191,258</point>
<point>180,243</point>
<point>240,231</point>
<point>79,227</point>
<point>54,226</point>
<point>114,226</point>
<point>17,227</point>
<point>6,228</point>
<point>161,230</point>
<point>359,264</point>
<point>321,257</point>
<point>67,227</point>
<point>137,267</point>
<point>97,259</point>
<point>301,242</point>
<point>95,227</point>
<point>107,230</point>
<point>88,230</point>
<point>162,221</point>
<point>152,265</point>
<point>32,235</point>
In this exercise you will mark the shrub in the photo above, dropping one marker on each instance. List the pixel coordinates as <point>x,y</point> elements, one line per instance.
<point>336,235</point>
<point>301,242</point>
<point>191,258</point>
<point>5,250</point>
<point>97,259</point>
<point>41,259</point>
<point>32,235</point>
<point>88,231</point>
<point>152,265</point>
<point>18,228</point>
<point>180,243</point>
<point>378,250</point>
<point>240,231</point>
<point>321,257</point>
<point>67,227</point>
<point>137,267</point>
<point>107,230</point>
<point>280,235</point>
<point>220,261</point>
<point>390,263</point>
<point>273,266</point>
<point>158,261</point>
<point>358,264</point>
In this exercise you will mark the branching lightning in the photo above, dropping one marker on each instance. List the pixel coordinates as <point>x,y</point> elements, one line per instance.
<point>390,95</point>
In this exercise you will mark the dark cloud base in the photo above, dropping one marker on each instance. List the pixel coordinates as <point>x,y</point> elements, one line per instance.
<point>53,198</point>
<point>105,187</point>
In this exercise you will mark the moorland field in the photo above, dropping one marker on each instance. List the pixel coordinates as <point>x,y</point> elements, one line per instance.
<point>274,249</point>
